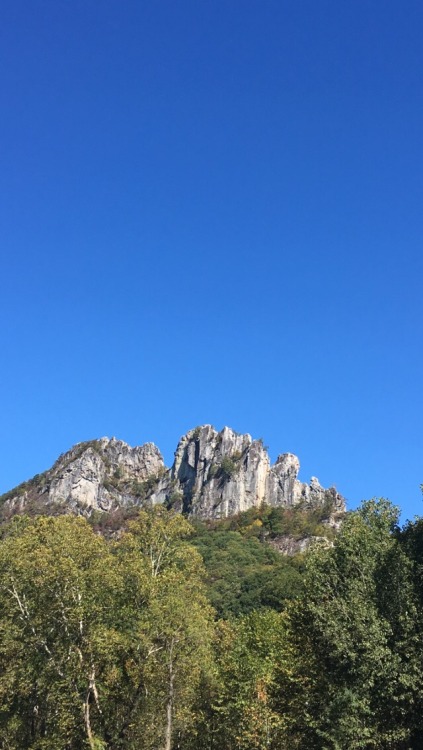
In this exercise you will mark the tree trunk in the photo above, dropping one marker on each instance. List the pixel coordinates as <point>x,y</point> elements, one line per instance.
<point>169,708</point>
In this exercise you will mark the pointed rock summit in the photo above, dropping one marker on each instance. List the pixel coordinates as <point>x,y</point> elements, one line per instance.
<point>217,474</point>
<point>214,475</point>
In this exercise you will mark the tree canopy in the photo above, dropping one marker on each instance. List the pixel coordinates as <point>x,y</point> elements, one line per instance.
<point>169,636</point>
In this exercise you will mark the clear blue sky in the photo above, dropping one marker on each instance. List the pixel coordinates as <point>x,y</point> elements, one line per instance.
<point>211,212</point>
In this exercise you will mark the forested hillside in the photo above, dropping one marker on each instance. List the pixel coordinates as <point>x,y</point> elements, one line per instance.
<point>167,635</point>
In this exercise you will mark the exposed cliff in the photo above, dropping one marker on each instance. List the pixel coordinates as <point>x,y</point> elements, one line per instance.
<point>217,474</point>
<point>96,475</point>
<point>214,475</point>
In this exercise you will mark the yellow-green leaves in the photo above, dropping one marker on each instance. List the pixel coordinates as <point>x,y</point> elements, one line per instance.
<point>98,639</point>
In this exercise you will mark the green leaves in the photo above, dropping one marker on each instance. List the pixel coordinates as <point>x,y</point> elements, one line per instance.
<point>357,629</point>
<point>243,574</point>
<point>58,587</point>
<point>90,629</point>
<point>112,645</point>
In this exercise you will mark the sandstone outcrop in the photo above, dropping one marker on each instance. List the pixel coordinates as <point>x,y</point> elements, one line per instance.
<point>96,475</point>
<point>214,475</point>
<point>289,545</point>
<point>217,474</point>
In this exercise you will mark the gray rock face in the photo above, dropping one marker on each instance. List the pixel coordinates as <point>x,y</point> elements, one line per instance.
<point>217,474</point>
<point>214,475</point>
<point>98,475</point>
<point>289,545</point>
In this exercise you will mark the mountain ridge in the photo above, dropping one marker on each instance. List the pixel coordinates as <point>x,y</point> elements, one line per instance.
<point>214,475</point>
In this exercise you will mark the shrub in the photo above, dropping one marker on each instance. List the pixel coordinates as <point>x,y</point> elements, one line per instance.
<point>227,467</point>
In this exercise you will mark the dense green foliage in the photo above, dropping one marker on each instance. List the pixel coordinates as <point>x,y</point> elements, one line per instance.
<point>266,521</point>
<point>167,636</point>
<point>243,574</point>
<point>103,645</point>
<point>357,636</point>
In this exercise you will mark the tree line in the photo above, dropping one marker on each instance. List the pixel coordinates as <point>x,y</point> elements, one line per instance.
<point>114,643</point>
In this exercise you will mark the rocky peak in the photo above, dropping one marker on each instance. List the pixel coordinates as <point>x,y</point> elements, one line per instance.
<point>217,474</point>
<point>95,475</point>
<point>214,475</point>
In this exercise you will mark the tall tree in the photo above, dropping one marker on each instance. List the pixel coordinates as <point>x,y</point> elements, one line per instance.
<point>355,635</point>
<point>102,645</point>
<point>238,710</point>
<point>176,620</point>
<point>58,591</point>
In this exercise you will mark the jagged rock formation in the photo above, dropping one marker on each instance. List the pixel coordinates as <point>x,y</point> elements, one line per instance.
<point>217,474</point>
<point>96,475</point>
<point>214,475</point>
